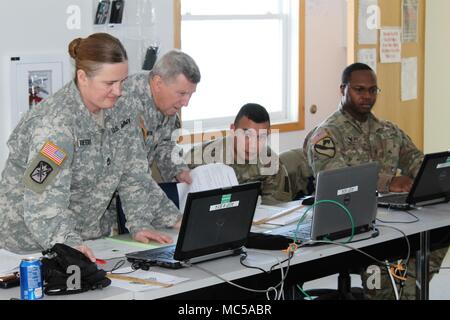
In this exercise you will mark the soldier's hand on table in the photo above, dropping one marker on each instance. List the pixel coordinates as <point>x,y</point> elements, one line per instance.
<point>401,184</point>
<point>87,252</point>
<point>145,236</point>
<point>184,176</point>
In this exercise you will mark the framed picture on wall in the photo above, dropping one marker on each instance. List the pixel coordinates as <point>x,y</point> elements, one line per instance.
<point>117,7</point>
<point>33,79</point>
<point>102,15</point>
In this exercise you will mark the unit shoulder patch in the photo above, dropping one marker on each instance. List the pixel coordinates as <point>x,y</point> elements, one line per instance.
<point>44,167</point>
<point>41,172</point>
<point>325,147</point>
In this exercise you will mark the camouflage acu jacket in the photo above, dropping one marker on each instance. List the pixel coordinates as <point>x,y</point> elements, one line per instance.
<point>157,129</point>
<point>62,171</point>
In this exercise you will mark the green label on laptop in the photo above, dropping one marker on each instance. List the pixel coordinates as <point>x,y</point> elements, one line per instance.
<point>226,198</point>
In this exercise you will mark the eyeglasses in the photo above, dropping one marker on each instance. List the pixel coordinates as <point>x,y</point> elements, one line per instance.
<point>361,90</point>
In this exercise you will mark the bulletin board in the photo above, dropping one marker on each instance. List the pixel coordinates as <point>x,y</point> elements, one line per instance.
<point>395,103</point>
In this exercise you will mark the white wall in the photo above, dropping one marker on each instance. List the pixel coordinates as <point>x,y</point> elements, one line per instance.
<point>33,27</point>
<point>437,76</point>
<point>26,32</point>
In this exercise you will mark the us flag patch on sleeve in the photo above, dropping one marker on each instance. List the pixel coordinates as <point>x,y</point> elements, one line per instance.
<point>53,152</point>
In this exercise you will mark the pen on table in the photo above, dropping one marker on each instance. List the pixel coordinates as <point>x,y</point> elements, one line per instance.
<point>138,280</point>
<point>278,215</point>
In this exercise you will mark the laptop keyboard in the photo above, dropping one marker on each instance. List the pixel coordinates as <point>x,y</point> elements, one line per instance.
<point>163,254</point>
<point>166,254</point>
<point>394,198</point>
<point>303,232</point>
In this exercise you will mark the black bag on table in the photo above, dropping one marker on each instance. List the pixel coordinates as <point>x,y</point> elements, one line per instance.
<point>56,271</point>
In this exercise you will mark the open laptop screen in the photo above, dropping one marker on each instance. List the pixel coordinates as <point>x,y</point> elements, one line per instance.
<point>355,188</point>
<point>433,180</point>
<point>216,220</point>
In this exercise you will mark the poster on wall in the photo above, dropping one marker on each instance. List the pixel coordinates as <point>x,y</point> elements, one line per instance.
<point>409,79</point>
<point>369,57</point>
<point>117,7</point>
<point>102,14</point>
<point>390,45</point>
<point>410,18</point>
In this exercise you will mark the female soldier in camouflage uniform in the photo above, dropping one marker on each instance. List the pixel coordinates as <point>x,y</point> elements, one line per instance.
<point>70,153</point>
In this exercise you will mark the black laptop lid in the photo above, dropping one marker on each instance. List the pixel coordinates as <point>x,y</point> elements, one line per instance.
<point>433,180</point>
<point>216,220</point>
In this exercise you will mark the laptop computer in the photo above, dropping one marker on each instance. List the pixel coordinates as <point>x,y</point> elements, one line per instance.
<point>215,223</point>
<point>355,188</point>
<point>431,185</point>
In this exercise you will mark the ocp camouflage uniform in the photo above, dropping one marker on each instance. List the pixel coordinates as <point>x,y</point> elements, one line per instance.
<point>156,128</point>
<point>62,171</point>
<point>273,176</point>
<point>342,141</point>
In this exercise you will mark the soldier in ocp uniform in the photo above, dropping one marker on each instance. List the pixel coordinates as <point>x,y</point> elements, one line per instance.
<point>155,99</point>
<point>71,152</point>
<point>353,136</point>
<point>247,152</point>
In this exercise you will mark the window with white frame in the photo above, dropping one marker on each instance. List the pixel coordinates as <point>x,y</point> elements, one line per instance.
<point>247,51</point>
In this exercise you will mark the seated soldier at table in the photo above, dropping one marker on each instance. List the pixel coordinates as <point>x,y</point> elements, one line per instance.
<point>352,136</point>
<point>247,152</point>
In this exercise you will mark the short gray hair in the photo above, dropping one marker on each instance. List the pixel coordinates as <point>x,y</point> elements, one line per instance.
<point>174,63</point>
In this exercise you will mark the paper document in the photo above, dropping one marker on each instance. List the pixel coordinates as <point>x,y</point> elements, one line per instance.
<point>409,79</point>
<point>279,216</point>
<point>390,45</point>
<point>163,279</point>
<point>410,20</point>
<point>207,177</point>
<point>9,262</point>
<point>117,246</point>
<point>369,57</point>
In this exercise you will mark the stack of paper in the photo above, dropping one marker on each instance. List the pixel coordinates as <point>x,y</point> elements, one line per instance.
<point>9,262</point>
<point>118,246</point>
<point>164,280</point>
<point>207,177</point>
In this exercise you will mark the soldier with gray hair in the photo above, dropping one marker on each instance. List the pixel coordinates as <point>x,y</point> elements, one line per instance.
<point>70,153</point>
<point>155,98</point>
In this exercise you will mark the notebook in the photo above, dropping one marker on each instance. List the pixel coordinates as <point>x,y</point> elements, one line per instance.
<point>353,187</point>
<point>216,223</point>
<point>431,185</point>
